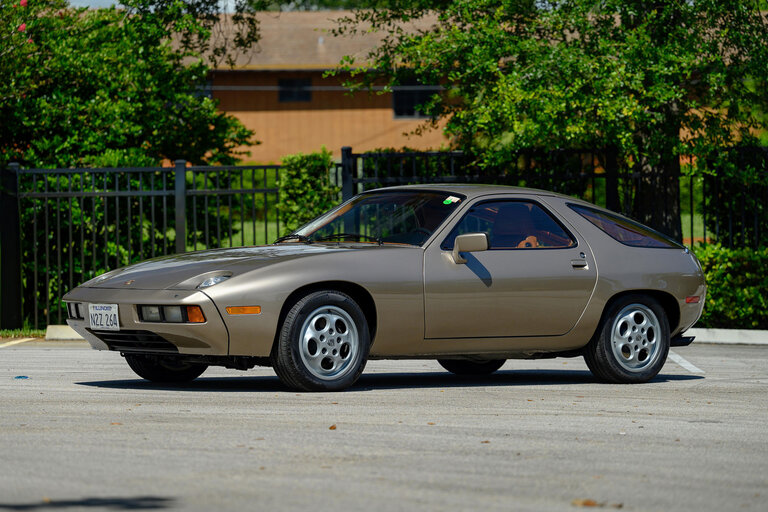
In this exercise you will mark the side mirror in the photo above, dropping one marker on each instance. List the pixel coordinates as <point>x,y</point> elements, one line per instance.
<point>470,242</point>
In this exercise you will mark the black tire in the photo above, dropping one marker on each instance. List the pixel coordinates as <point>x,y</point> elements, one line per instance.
<point>632,342</point>
<point>467,367</point>
<point>323,343</point>
<point>165,369</point>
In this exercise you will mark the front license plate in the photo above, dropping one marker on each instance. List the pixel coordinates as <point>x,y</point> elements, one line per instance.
<point>103,317</point>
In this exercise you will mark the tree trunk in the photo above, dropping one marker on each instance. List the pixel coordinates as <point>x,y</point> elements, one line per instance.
<point>611,166</point>
<point>657,200</point>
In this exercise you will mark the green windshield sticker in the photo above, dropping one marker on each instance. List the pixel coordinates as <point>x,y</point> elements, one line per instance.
<point>451,200</point>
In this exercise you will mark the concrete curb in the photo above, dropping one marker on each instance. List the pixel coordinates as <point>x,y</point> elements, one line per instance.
<point>61,333</point>
<point>706,336</point>
<point>729,336</point>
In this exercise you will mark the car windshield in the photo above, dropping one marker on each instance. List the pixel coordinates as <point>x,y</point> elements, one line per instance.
<point>399,216</point>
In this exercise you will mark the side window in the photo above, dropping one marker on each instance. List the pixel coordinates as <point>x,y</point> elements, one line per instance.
<point>512,225</point>
<point>624,230</point>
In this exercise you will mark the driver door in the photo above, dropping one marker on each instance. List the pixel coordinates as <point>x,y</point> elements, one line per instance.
<point>535,279</point>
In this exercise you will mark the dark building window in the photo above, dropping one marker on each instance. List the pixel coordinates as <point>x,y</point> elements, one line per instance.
<point>408,96</point>
<point>205,90</point>
<point>294,89</point>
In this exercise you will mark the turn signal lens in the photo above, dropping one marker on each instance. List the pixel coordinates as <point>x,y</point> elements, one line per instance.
<point>244,310</point>
<point>195,314</point>
<point>692,299</point>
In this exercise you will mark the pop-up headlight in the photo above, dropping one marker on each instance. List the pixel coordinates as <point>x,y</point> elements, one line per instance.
<point>210,281</point>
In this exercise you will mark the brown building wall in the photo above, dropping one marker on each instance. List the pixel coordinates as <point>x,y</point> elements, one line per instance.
<point>332,118</point>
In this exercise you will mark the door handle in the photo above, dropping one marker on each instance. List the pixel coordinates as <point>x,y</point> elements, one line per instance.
<point>578,263</point>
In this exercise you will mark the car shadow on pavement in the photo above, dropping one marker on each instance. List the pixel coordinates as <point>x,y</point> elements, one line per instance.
<point>384,380</point>
<point>501,378</point>
<point>112,503</point>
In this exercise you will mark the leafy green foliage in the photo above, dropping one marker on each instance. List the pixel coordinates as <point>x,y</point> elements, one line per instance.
<point>320,5</point>
<point>652,81</point>
<point>200,26</point>
<point>736,284</point>
<point>305,188</point>
<point>110,87</point>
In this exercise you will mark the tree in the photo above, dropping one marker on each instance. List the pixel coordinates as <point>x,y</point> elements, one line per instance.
<point>654,80</point>
<point>112,87</point>
<point>325,5</point>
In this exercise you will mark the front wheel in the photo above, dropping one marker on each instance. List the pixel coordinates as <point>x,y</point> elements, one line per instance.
<point>632,342</point>
<point>163,368</point>
<point>323,343</point>
<point>467,367</point>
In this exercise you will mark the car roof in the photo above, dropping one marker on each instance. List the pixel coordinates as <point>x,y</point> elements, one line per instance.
<point>472,190</point>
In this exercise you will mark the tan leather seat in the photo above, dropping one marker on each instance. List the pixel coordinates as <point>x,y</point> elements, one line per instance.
<point>513,227</point>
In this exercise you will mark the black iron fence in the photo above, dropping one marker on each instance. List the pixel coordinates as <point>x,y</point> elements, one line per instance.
<point>730,208</point>
<point>62,227</point>
<point>592,175</point>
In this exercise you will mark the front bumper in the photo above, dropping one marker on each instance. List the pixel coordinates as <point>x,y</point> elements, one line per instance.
<point>207,338</point>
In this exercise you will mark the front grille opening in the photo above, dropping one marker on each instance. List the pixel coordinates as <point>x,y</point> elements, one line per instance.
<point>135,341</point>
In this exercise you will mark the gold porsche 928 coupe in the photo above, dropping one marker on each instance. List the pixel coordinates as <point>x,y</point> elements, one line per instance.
<point>468,275</point>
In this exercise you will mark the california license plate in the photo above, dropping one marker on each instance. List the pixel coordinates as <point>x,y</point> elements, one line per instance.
<point>103,317</point>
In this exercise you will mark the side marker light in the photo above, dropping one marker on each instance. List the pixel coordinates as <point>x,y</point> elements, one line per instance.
<point>692,299</point>
<point>244,310</point>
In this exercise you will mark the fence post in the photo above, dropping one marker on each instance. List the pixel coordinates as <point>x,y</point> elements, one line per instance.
<point>10,247</point>
<point>180,195</point>
<point>347,168</point>
<point>612,180</point>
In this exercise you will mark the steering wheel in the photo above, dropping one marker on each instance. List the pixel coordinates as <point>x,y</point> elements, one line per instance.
<point>529,242</point>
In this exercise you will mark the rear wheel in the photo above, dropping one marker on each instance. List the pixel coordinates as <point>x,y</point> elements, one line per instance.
<point>632,343</point>
<point>323,343</point>
<point>467,367</point>
<point>164,368</point>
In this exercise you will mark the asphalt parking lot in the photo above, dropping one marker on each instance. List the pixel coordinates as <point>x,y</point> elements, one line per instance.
<point>79,431</point>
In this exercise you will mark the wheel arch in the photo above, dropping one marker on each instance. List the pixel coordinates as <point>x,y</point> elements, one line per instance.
<point>360,295</point>
<point>666,300</point>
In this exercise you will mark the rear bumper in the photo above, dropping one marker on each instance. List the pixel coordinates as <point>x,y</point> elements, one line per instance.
<point>681,341</point>
<point>207,338</point>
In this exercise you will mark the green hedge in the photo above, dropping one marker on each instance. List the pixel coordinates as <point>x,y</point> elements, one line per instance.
<point>305,188</point>
<point>737,287</point>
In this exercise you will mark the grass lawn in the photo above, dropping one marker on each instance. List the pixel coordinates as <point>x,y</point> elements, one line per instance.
<point>698,229</point>
<point>22,333</point>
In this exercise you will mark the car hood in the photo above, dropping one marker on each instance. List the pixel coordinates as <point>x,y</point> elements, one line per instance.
<point>180,271</point>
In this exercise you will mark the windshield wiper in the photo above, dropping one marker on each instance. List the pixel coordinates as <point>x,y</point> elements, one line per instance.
<point>355,236</point>
<point>300,238</point>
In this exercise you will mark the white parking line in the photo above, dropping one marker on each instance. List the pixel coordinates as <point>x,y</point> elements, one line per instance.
<point>15,342</point>
<point>684,363</point>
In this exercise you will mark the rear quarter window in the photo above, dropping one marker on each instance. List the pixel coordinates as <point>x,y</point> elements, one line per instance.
<point>624,230</point>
